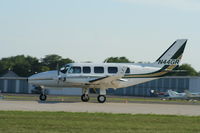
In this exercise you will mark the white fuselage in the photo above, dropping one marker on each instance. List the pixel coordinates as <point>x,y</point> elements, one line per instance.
<point>81,74</point>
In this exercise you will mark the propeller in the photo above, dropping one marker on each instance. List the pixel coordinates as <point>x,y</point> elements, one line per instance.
<point>58,74</point>
<point>60,77</point>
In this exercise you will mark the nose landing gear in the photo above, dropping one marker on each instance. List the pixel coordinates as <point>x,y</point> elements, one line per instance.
<point>85,98</point>
<point>43,97</point>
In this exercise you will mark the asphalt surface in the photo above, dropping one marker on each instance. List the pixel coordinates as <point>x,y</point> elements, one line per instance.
<point>132,108</point>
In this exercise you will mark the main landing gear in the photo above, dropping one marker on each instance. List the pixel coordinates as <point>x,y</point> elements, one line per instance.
<point>101,98</point>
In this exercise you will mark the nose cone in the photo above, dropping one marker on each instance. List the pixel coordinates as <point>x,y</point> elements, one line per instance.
<point>42,78</point>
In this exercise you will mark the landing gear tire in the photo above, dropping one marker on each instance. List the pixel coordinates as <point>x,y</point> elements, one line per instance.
<point>43,97</point>
<point>85,98</point>
<point>101,98</point>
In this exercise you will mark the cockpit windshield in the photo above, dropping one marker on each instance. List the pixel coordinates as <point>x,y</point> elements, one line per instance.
<point>64,69</point>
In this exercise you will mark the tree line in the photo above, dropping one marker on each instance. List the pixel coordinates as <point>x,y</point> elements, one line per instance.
<point>27,65</point>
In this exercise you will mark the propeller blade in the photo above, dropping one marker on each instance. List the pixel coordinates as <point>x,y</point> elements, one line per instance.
<point>58,71</point>
<point>58,74</point>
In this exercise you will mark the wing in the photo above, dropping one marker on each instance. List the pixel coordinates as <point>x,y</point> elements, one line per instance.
<point>107,82</point>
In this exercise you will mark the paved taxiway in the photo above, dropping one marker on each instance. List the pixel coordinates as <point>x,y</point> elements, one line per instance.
<point>133,108</point>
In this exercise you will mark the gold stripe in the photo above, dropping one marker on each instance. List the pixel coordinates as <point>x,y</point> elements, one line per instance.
<point>155,74</point>
<point>152,75</point>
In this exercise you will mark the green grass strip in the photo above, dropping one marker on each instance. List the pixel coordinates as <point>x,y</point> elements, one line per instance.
<point>66,122</point>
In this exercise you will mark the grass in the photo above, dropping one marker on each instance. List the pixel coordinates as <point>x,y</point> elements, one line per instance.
<point>66,122</point>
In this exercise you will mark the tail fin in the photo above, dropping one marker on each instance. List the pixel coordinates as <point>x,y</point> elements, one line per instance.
<point>173,54</point>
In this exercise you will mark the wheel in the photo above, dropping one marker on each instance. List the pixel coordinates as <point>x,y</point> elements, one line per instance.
<point>43,97</point>
<point>101,98</point>
<point>85,98</point>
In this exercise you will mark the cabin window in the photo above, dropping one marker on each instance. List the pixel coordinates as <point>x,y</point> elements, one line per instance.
<point>112,69</point>
<point>98,70</point>
<point>75,69</point>
<point>128,70</point>
<point>86,70</point>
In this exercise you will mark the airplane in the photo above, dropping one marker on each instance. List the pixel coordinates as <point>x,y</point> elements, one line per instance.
<point>108,75</point>
<point>176,95</point>
<point>192,95</point>
<point>185,95</point>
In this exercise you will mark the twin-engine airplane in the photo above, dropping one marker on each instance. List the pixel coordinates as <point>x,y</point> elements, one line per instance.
<point>109,75</point>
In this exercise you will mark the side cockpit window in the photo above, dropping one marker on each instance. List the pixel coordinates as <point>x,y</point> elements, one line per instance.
<point>75,69</point>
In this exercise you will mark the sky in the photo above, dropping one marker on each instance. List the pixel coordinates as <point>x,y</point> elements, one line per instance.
<point>92,30</point>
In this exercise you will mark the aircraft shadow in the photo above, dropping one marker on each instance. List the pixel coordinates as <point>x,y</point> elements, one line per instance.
<point>55,102</point>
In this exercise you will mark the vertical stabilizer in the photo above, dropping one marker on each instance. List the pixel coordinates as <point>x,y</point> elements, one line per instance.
<point>173,54</point>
